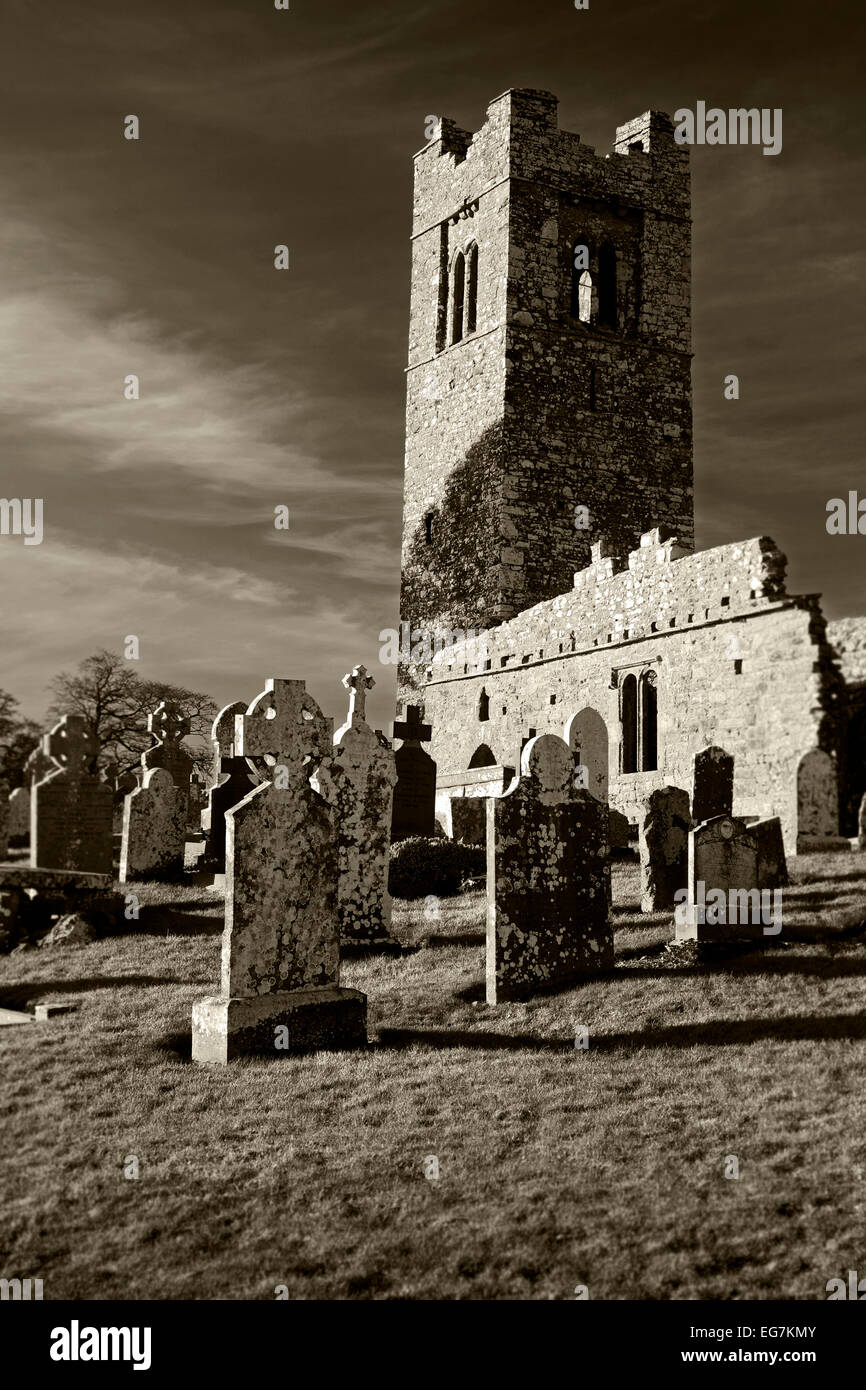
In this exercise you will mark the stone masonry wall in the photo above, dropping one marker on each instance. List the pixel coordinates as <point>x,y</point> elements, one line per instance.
<point>536,412</point>
<point>738,663</point>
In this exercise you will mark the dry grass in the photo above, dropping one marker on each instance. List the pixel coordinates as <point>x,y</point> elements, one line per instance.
<point>558,1166</point>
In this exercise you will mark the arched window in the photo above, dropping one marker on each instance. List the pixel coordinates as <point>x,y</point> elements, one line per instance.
<point>584,297</point>
<point>458,274</point>
<point>482,757</point>
<point>483,706</point>
<point>607,310</point>
<point>628,720</point>
<point>648,722</point>
<point>472,288</point>
<point>428,527</point>
<point>579,268</point>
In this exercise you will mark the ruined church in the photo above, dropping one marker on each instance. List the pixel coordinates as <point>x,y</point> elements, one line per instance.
<point>548,496</point>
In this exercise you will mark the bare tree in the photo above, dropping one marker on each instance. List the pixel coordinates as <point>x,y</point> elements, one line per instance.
<point>18,738</point>
<point>115,703</point>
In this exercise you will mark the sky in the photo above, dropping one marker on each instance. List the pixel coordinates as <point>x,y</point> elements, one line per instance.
<point>263,388</point>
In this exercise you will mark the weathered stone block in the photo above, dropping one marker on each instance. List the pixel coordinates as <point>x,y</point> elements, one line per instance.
<point>310,1020</point>
<point>664,848</point>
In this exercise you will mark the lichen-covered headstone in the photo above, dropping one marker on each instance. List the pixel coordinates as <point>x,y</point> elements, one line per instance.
<point>664,848</point>
<point>414,803</point>
<point>358,781</point>
<point>154,829</point>
<point>70,810</point>
<point>548,877</point>
<point>19,815</point>
<point>735,868</point>
<point>861,824</point>
<point>713,784</point>
<point>233,780</point>
<point>280,951</point>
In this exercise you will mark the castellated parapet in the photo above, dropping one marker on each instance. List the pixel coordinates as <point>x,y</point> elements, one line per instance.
<point>672,651</point>
<point>532,392</point>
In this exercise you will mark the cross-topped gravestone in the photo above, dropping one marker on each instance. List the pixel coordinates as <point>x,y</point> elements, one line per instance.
<point>70,813</point>
<point>233,780</point>
<point>414,806</point>
<point>169,727</point>
<point>358,781</point>
<point>280,950</point>
<point>357,682</point>
<point>38,765</point>
<point>410,728</point>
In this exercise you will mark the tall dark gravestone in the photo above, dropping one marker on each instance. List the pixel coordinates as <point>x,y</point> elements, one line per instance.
<point>233,780</point>
<point>414,807</point>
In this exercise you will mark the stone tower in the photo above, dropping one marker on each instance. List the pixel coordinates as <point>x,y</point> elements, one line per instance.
<point>549,392</point>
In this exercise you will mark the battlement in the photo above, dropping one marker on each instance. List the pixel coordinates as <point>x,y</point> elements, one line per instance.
<point>658,589</point>
<point>521,139</point>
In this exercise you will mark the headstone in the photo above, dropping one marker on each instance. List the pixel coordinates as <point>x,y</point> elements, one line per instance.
<point>358,781</point>
<point>19,815</point>
<point>586,735</point>
<point>169,727</point>
<point>469,819</point>
<point>772,866</point>
<point>818,803</point>
<point>127,782</point>
<point>38,764</point>
<point>4,820</point>
<point>154,829</point>
<point>281,945</point>
<point>664,848</point>
<point>736,872</point>
<point>233,780</point>
<point>713,784</point>
<point>548,877</point>
<point>414,805</point>
<point>861,824</point>
<point>70,812</point>
<point>618,830</point>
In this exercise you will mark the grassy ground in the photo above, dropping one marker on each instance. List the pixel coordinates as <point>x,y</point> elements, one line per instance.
<point>557,1167</point>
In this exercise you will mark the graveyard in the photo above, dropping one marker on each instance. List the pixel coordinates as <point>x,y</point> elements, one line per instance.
<point>558,1166</point>
<point>551,987</point>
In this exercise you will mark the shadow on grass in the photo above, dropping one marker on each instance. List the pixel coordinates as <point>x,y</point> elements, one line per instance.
<point>156,920</point>
<point>466,938</point>
<point>748,963</point>
<point>12,996</point>
<point>719,1032</point>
